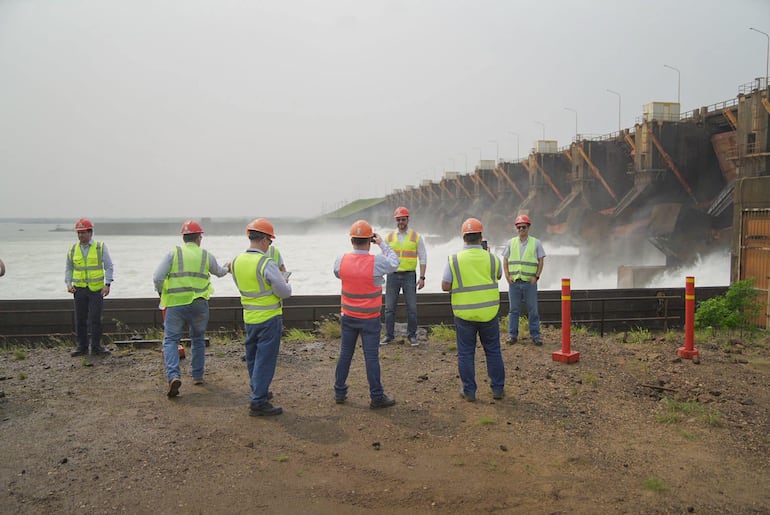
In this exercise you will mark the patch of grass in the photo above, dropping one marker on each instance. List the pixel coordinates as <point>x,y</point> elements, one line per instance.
<point>688,435</point>
<point>23,375</point>
<point>84,361</point>
<point>20,354</point>
<point>490,466</point>
<point>452,347</point>
<point>458,463</point>
<point>329,328</point>
<point>486,420</point>
<point>655,484</point>
<point>672,335</point>
<point>713,418</point>
<point>580,330</point>
<point>442,333</point>
<point>639,335</point>
<point>589,378</point>
<point>298,336</point>
<point>676,411</point>
<point>153,333</point>
<point>282,458</point>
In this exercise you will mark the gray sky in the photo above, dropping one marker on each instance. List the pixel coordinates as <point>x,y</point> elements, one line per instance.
<point>285,108</point>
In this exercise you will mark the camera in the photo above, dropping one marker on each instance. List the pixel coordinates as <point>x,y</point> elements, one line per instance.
<point>373,239</point>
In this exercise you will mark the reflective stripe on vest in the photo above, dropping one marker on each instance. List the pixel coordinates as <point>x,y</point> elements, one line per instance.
<point>406,250</point>
<point>188,278</point>
<point>259,302</point>
<point>360,297</point>
<point>522,267</point>
<point>274,254</point>
<point>475,294</point>
<point>88,272</point>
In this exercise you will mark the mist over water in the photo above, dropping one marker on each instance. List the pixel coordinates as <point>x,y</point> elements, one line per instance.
<point>35,258</point>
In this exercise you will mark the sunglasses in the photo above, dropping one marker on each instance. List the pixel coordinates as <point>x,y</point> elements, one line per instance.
<point>521,227</point>
<point>404,219</point>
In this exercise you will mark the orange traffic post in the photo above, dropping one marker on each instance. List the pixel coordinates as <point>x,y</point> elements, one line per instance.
<point>689,351</point>
<point>565,355</point>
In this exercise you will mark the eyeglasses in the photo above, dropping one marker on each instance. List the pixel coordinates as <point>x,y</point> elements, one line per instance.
<point>403,219</point>
<point>521,227</point>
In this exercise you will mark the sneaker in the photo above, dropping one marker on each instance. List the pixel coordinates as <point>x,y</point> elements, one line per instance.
<point>498,395</point>
<point>77,352</point>
<point>198,380</point>
<point>340,399</point>
<point>265,410</point>
<point>538,342</point>
<point>511,340</point>
<point>468,396</point>
<point>382,402</point>
<point>173,387</point>
<point>101,351</point>
<point>386,340</point>
<point>413,341</point>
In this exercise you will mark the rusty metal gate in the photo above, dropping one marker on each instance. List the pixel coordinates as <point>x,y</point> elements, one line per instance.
<point>755,257</point>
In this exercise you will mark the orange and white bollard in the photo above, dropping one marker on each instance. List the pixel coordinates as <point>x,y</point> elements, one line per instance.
<point>566,355</point>
<point>689,351</point>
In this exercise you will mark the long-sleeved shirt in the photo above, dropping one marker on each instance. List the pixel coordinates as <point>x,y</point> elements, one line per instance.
<point>385,263</point>
<point>422,253</point>
<point>159,277</point>
<point>273,275</point>
<point>109,269</point>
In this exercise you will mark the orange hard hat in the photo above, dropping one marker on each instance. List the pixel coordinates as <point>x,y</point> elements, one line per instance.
<point>361,229</point>
<point>192,227</point>
<point>472,225</point>
<point>83,224</point>
<point>522,219</point>
<point>400,212</point>
<point>261,225</point>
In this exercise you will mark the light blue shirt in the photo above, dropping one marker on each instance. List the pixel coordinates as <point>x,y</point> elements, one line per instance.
<point>274,277</point>
<point>159,277</point>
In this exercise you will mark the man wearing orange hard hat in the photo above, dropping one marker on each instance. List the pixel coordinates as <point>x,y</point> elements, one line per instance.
<point>472,276</point>
<point>88,275</point>
<point>262,288</point>
<point>523,263</point>
<point>183,281</point>
<point>410,248</point>
<point>362,277</point>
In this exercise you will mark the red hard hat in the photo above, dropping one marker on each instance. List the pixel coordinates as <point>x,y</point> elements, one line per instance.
<point>192,227</point>
<point>83,224</point>
<point>472,225</point>
<point>400,211</point>
<point>361,229</point>
<point>261,225</point>
<point>522,219</point>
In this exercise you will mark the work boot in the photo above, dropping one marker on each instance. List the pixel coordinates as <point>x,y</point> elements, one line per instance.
<point>511,340</point>
<point>382,402</point>
<point>100,351</point>
<point>386,340</point>
<point>413,341</point>
<point>265,410</point>
<point>173,387</point>
<point>78,352</point>
<point>470,397</point>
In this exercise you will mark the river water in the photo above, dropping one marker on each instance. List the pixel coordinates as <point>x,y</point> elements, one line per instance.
<point>34,257</point>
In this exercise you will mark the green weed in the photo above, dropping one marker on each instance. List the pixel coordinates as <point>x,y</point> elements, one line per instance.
<point>298,336</point>
<point>20,354</point>
<point>329,328</point>
<point>655,484</point>
<point>687,435</point>
<point>589,378</point>
<point>458,463</point>
<point>23,375</point>
<point>486,420</point>
<point>442,333</point>
<point>452,347</point>
<point>282,458</point>
<point>733,310</point>
<point>639,335</point>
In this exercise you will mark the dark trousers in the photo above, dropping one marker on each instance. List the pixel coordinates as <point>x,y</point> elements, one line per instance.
<point>88,318</point>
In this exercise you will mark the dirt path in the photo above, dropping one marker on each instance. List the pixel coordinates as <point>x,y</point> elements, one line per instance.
<point>581,438</point>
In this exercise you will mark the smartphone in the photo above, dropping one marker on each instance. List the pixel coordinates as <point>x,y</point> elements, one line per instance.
<point>286,275</point>
<point>484,245</point>
<point>373,240</point>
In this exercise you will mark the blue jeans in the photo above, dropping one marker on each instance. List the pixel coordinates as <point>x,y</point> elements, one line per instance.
<point>406,282</point>
<point>263,341</point>
<point>196,315</point>
<point>489,333</point>
<point>369,329</point>
<point>527,292</point>
<point>88,317</point>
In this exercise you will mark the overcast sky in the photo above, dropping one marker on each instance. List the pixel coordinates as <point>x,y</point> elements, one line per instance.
<point>288,108</point>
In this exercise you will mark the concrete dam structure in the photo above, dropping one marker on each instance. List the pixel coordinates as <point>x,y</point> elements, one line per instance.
<point>661,191</point>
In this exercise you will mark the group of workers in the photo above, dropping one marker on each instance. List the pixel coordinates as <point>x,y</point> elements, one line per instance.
<point>182,279</point>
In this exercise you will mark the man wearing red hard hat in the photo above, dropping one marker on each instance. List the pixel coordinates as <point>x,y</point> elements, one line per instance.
<point>523,263</point>
<point>362,274</point>
<point>183,281</point>
<point>88,275</point>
